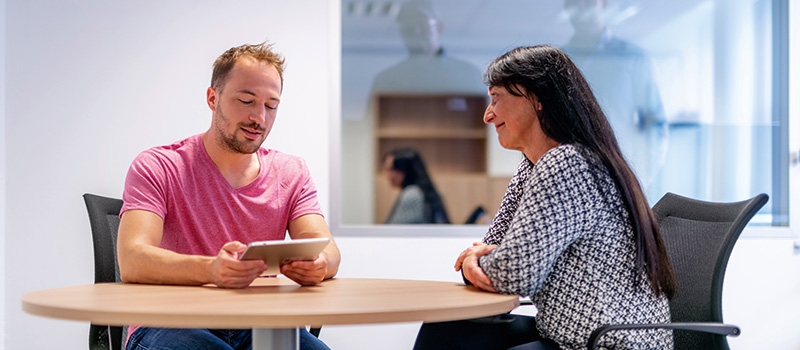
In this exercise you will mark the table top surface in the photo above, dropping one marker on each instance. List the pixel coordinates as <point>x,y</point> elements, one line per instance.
<point>268,303</point>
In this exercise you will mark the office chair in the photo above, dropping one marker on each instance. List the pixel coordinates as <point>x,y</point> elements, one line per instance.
<point>475,215</point>
<point>104,220</point>
<point>699,237</point>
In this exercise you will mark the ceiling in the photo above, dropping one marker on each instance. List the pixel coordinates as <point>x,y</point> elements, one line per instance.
<point>482,23</point>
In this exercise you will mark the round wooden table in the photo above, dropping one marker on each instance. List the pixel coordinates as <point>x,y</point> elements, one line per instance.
<point>273,307</point>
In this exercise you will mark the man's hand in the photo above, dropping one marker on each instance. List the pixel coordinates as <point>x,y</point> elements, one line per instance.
<point>468,263</point>
<point>308,272</point>
<point>229,272</point>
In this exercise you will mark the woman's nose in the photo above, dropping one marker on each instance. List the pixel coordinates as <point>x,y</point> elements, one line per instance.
<point>488,116</point>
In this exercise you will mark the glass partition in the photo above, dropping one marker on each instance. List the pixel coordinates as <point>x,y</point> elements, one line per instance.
<point>696,92</point>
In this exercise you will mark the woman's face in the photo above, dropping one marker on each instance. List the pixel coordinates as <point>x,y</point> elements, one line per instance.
<point>514,117</point>
<point>516,121</point>
<point>394,176</point>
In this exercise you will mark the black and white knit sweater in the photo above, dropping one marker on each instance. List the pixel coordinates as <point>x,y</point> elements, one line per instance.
<point>564,239</point>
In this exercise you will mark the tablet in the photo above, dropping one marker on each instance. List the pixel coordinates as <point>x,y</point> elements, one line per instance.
<point>275,253</point>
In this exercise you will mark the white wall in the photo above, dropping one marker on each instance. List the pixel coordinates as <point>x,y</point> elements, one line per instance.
<point>91,83</point>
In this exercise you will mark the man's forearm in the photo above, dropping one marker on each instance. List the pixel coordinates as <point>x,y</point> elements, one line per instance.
<point>148,264</point>
<point>332,256</point>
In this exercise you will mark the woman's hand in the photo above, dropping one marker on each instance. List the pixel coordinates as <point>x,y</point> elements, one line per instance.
<point>468,263</point>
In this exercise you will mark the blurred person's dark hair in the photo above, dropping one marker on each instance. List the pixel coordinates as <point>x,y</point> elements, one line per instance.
<point>410,164</point>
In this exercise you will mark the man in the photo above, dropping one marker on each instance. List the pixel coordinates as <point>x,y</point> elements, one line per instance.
<point>621,75</point>
<point>426,70</point>
<point>191,206</point>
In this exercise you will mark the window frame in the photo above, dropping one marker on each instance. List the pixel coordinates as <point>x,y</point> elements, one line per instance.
<point>786,44</point>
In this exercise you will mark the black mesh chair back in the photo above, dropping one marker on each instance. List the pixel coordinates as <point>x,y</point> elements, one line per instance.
<point>104,220</point>
<point>699,237</point>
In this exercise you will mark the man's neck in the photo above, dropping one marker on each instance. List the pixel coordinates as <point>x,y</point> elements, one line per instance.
<point>238,169</point>
<point>588,38</point>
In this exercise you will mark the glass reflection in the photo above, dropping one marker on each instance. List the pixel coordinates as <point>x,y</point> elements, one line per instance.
<point>673,77</point>
<point>622,80</point>
<point>426,69</point>
<point>418,201</point>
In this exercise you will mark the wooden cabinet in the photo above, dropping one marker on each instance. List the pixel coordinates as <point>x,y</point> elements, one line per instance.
<point>449,133</point>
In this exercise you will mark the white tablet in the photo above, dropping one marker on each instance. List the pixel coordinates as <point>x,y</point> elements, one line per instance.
<point>275,253</point>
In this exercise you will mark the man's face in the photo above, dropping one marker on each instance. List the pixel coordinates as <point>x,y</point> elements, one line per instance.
<point>421,34</point>
<point>583,13</point>
<point>246,105</point>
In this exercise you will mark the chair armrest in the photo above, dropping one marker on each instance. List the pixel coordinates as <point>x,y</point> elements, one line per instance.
<point>715,328</point>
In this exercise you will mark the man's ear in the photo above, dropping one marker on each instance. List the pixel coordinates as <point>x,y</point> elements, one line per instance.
<point>212,98</point>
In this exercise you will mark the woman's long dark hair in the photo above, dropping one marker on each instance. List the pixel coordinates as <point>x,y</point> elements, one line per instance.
<point>571,114</point>
<point>409,162</point>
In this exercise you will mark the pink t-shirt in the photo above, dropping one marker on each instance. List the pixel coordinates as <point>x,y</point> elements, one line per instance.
<point>201,211</point>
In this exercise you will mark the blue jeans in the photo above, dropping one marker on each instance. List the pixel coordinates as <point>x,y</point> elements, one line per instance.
<point>145,338</point>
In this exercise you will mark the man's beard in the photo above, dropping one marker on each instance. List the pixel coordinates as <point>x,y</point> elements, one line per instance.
<point>230,141</point>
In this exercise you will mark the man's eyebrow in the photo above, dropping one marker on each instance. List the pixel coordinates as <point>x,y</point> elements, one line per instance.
<point>245,91</point>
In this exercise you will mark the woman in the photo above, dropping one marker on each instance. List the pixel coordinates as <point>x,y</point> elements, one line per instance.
<point>574,230</point>
<point>418,202</point>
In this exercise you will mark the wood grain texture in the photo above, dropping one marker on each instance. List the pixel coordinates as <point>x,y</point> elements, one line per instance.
<point>268,303</point>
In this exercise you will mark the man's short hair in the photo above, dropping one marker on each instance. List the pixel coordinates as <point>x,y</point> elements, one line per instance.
<point>261,52</point>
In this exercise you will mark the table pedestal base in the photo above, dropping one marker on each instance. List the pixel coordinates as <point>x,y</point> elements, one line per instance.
<point>276,339</point>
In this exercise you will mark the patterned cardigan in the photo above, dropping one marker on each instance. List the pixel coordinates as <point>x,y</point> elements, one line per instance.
<point>564,239</point>
<point>409,208</point>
